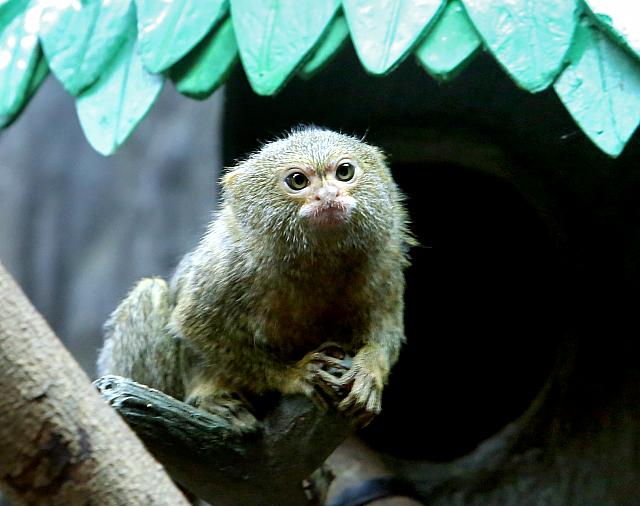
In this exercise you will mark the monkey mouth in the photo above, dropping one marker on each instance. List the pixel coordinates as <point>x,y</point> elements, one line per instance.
<point>326,214</point>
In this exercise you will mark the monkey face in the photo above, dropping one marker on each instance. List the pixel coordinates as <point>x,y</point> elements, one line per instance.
<point>323,194</point>
<point>315,187</point>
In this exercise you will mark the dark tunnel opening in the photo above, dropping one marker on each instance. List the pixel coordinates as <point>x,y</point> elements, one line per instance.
<point>481,314</point>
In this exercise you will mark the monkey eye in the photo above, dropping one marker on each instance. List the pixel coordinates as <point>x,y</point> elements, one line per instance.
<point>345,171</point>
<point>297,181</point>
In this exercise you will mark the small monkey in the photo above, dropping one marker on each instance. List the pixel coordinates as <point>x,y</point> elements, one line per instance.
<point>306,254</point>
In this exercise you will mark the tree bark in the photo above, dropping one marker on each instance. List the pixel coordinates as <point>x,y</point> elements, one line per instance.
<point>60,443</point>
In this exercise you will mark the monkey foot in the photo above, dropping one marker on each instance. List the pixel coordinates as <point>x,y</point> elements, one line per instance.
<point>227,406</point>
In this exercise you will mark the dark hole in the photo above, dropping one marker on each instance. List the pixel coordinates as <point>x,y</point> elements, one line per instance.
<point>480,314</point>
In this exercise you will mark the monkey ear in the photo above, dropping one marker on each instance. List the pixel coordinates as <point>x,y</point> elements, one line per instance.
<point>231,176</point>
<point>381,154</point>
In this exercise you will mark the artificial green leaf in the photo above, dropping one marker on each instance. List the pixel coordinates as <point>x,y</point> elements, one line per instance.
<point>40,72</point>
<point>113,106</point>
<point>274,37</point>
<point>620,19</point>
<point>19,53</point>
<point>207,66</point>
<point>9,9</point>
<point>450,44</point>
<point>336,36</point>
<point>167,30</point>
<point>79,39</point>
<point>601,90</point>
<point>384,31</point>
<point>528,38</point>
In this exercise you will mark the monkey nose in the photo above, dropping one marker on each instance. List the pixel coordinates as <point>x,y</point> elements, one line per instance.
<point>327,193</point>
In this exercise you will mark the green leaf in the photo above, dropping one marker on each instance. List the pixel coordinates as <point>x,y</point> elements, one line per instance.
<point>601,90</point>
<point>39,75</point>
<point>40,72</point>
<point>450,45</point>
<point>334,39</point>
<point>530,39</point>
<point>113,106</point>
<point>274,37</point>
<point>19,53</point>
<point>207,66</point>
<point>620,19</point>
<point>80,39</point>
<point>169,30</point>
<point>9,9</point>
<point>384,31</point>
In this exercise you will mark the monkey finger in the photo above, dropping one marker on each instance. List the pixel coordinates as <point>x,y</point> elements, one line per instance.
<point>246,423</point>
<point>359,398</point>
<point>238,415</point>
<point>332,349</point>
<point>243,415</point>
<point>328,361</point>
<point>329,378</point>
<point>368,403</point>
<point>332,385</point>
<point>348,378</point>
<point>347,403</point>
<point>362,385</point>
<point>374,402</point>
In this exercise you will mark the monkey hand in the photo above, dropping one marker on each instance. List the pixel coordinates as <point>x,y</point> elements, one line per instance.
<point>364,382</point>
<point>317,376</point>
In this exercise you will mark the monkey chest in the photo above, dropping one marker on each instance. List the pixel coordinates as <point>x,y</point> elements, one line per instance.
<point>296,321</point>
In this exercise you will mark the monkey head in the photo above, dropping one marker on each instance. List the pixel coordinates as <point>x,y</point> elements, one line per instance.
<point>313,187</point>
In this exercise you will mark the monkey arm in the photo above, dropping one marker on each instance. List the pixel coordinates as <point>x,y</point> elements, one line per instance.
<point>371,367</point>
<point>206,455</point>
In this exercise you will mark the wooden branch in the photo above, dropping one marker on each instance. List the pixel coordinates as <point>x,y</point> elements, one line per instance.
<point>61,444</point>
<point>206,456</point>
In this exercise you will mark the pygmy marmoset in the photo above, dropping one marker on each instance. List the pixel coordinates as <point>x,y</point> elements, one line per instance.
<point>307,251</point>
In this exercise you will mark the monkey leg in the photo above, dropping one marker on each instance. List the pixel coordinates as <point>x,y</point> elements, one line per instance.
<point>228,405</point>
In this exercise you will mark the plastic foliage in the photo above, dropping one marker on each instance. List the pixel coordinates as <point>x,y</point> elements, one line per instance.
<point>114,55</point>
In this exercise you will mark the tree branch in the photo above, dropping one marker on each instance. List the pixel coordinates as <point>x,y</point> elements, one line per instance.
<point>60,443</point>
<point>204,454</point>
